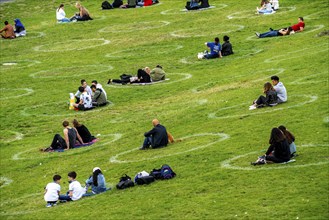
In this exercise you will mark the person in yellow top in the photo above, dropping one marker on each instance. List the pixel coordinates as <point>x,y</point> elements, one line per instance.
<point>9,31</point>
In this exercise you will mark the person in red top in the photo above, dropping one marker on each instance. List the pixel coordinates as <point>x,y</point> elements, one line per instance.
<point>300,26</point>
<point>9,31</point>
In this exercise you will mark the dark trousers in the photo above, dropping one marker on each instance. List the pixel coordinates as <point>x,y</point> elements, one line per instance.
<point>261,100</point>
<point>58,142</point>
<point>275,159</point>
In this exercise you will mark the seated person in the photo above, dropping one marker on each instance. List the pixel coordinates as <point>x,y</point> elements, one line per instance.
<point>280,89</point>
<point>148,2</point>
<point>291,140</point>
<point>85,102</point>
<point>278,151</point>
<point>158,74</point>
<point>19,28</point>
<point>96,181</point>
<point>83,132</point>
<point>99,97</point>
<point>266,8</point>
<point>61,15</point>
<point>226,47</point>
<point>143,76</point>
<point>99,86</point>
<point>194,4</point>
<point>215,49</point>
<point>157,137</point>
<point>69,140</point>
<point>271,98</point>
<point>9,31</point>
<point>84,85</point>
<point>130,4</point>
<point>274,33</point>
<point>82,15</point>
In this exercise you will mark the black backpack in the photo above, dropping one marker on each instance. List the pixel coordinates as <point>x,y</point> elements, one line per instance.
<point>144,180</point>
<point>117,3</point>
<point>106,5</point>
<point>125,182</point>
<point>164,173</point>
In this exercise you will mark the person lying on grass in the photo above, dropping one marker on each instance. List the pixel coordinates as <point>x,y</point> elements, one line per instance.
<point>271,98</point>
<point>143,76</point>
<point>69,140</point>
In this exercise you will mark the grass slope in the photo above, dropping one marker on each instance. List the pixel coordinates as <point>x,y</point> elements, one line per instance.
<point>208,97</point>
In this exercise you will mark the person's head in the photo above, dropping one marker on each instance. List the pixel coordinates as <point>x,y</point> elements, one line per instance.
<point>155,122</point>
<point>77,5</point>
<point>147,70</point>
<point>96,172</point>
<point>268,86</point>
<point>300,19</point>
<point>289,136</point>
<point>276,136</point>
<point>65,123</point>
<point>61,6</point>
<point>76,123</point>
<point>57,178</point>
<point>158,66</point>
<point>81,89</point>
<point>83,83</point>
<point>275,80</point>
<point>216,40</point>
<point>226,38</point>
<point>6,22</point>
<point>72,175</point>
<point>93,88</point>
<point>94,82</point>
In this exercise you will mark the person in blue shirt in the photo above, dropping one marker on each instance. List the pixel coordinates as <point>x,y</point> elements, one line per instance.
<point>215,49</point>
<point>96,181</point>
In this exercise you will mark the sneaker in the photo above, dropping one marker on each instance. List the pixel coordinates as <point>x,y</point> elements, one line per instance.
<point>142,148</point>
<point>257,34</point>
<point>54,204</point>
<point>48,205</point>
<point>252,107</point>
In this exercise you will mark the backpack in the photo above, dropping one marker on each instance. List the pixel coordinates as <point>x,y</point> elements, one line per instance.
<point>106,5</point>
<point>156,173</point>
<point>144,180</point>
<point>125,182</point>
<point>167,172</point>
<point>117,3</point>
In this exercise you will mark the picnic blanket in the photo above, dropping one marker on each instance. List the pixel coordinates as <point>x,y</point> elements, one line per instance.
<point>78,145</point>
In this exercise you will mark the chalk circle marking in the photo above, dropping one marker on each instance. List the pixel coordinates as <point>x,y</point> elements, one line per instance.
<point>136,26</point>
<point>18,156</point>
<point>5,181</point>
<point>186,76</point>
<point>312,98</point>
<point>184,11</point>
<point>251,13</point>
<point>221,137</point>
<point>17,136</point>
<point>27,92</point>
<point>58,71</point>
<point>71,42</point>
<point>158,49</point>
<point>227,163</point>
<point>19,64</point>
<point>193,30</point>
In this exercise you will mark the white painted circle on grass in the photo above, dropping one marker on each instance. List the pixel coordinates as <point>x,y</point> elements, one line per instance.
<point>152,50</point>
<point>17,136</point>
<point>11,95</point>
<point>136,26</point>
<point>16,64</point>
<point>204,31</point>
<point>176,11</point>
<point>251,13</point>
<point>5,181</point>
<point>72,71</point>
<point>280,107</point>
<point>221,137</point>
<point>71,45</point>
<point>227,163</point>
<point>43,155</point>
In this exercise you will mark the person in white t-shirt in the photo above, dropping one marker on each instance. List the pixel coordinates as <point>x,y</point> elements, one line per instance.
<point>280,89</point>
<point>87,88</point>
<point>52,191</point>
<point>85,102</point>
<point>60,14</point>
<point>76,191</point>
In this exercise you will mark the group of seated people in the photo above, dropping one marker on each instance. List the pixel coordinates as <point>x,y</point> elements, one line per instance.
<point>275,93</point>
<point>216,49</point>
<point>299,27</point>
<point>76,191</point>
<point>268,7</point>
<point>11,32</point>
<point>145,75</point>
<point>129,4</point>
<point>90,97</point>
<point>82,15</point>
<point>197,4</point>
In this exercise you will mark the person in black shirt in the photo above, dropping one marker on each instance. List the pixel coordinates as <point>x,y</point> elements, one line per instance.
<point>157,137</point>
<point>83,131</point>
<point>278,151</point>
<point>227,46</point>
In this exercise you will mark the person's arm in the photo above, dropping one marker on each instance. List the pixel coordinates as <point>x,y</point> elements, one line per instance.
<point>66,137</point>
<point>70,193</point>
<point>269,150</point>
<point>220,54</point>
<point>300,29</point>
<point>78,136</point>
<point>149,133</point>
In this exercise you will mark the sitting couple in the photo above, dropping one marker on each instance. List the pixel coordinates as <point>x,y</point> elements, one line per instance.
<point>145,75</point>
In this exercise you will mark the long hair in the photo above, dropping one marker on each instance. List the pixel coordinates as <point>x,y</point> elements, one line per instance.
<point>95,175</point>
<point>267,87</point>
<point>277,136</point>
<point>289,136</point>
<point>76,123</point>
<point>60,6</point>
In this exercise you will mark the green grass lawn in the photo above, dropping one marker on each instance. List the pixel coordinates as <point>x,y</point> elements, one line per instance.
<point>204,102</point>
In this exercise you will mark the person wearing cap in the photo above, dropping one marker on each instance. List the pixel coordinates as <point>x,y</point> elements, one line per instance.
<point>156,137</point>
<point>96,181</point>
<point>157,74</point>
<point>9,31</point>
<point>280,89</point>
